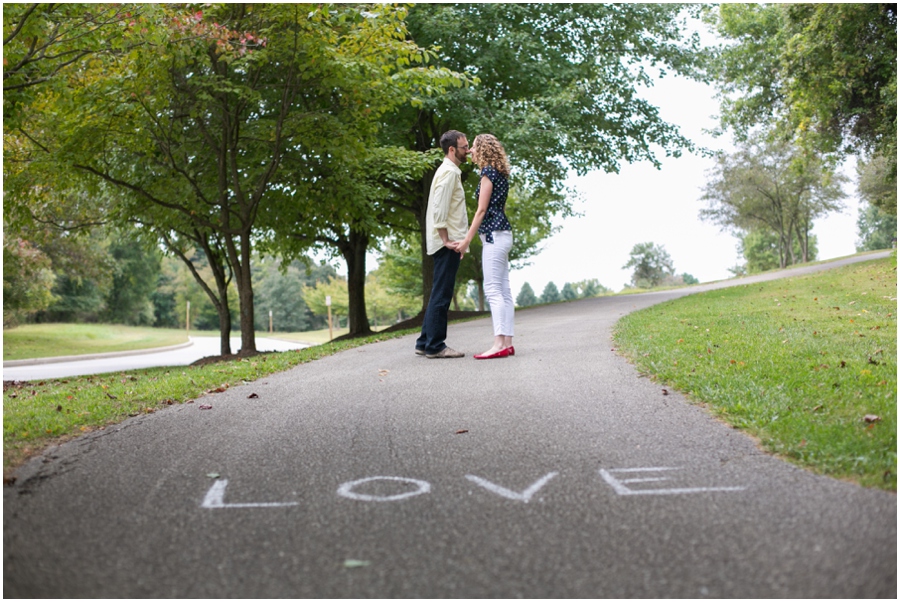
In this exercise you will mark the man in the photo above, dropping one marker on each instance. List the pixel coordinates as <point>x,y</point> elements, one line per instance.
<point>446,224</point>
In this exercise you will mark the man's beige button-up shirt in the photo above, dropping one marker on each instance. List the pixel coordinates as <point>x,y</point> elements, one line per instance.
<point>446,207</point>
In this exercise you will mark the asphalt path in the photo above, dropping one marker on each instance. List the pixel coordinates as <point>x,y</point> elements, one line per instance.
<point>178,355</point>
<point>379,473</point>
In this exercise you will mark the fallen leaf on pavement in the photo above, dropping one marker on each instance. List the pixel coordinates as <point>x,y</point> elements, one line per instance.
<point>461,431</point>
<point>213,475</point>
<point>665,391</point>
<point>205,406</point>
<point>253,396</point>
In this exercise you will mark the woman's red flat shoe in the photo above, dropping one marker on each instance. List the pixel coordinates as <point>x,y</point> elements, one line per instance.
<point>490,356</point>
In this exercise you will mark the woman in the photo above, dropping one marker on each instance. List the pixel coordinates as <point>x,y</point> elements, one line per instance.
<point>495,231</point>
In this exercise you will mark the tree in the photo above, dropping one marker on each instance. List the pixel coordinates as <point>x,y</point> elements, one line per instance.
<point>651,264</point>
<point>43,42</point>
<point>876,229</point>
<point>590,288</point>
<point>558,84</point>
<point>569,293</point>
<point>688,279</point>
<point>224,126</point>
<point>180,284</point>
<point>27,280</point>
<point>400,266</point>
<point>874,185</point>
<point>83,269</point>
<point>550,294</point>
<point>762,251</point>
<point>316,297</point>
<point>279,291</point>
<point>165,308</point>
<point>387,305</point>
<point>526,296</point>
<point>773,185</point>
<point>279,286</point>
<point>825,73</point>
<point>134,279</point>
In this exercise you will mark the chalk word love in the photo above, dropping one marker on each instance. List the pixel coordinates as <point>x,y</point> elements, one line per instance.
<point>215,497</point>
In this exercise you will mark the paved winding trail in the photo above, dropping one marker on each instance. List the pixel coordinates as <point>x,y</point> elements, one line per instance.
<point>378,473</point>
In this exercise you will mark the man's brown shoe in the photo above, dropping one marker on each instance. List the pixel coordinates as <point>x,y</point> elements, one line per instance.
<point>445,352</point>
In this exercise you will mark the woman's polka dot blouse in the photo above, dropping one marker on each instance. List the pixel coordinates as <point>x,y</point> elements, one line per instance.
<point>495,218</point>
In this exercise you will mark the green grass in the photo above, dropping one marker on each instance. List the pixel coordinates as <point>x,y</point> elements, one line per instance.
<point>798,363</point>
<point>50,340</point>
<point>41,413</point>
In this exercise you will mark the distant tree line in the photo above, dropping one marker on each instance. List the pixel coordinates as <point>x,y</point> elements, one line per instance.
<point>551,293</point>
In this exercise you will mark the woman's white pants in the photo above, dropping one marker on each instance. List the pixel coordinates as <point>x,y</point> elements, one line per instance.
<point>495,264</point>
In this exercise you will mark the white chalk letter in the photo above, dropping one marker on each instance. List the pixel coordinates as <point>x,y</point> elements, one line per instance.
<point>215,498</point>
<point>620,485</point>
<point>509,494</point>
<point>346,490</point>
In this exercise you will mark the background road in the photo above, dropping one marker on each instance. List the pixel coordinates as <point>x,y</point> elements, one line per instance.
<point>183,355</point>
<point>378,473</point>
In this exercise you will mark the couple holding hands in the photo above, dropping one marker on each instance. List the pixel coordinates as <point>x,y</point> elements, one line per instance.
<point>449,235</point>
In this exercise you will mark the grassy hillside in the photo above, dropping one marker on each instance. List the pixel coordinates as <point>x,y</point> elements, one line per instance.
<point>808,364</point>
<point>50,340</point>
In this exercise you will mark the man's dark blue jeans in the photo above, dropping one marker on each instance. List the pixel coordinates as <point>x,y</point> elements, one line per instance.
<point>434,327</point>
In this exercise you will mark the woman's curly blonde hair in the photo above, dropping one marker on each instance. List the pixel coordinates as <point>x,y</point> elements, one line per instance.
<point>489,151</point>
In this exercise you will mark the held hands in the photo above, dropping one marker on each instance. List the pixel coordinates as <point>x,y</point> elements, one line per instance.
<point>460,246</point>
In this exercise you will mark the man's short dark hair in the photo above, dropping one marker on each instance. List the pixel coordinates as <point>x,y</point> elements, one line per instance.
<point>449,139</point>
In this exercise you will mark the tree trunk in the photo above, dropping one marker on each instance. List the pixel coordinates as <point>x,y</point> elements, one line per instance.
<point>803,237</point>
<point>218,267</point>
<point>221,305</point>
<point>354,253</point>
<point>782,256</point>
<point>220,302</point>
<point>241,268</point>
<point>224,329</point>
<point>789,242</point>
